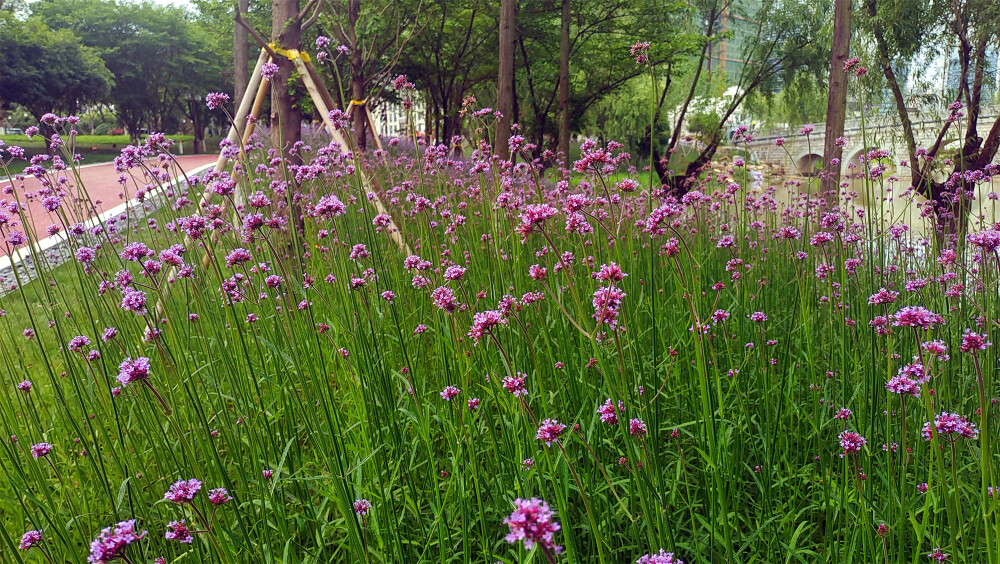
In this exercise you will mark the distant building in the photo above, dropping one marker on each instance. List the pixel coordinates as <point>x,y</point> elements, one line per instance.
<point>737,27</point>
<point>953,74</point>
<point>391,118</point>
<point>934,75</point>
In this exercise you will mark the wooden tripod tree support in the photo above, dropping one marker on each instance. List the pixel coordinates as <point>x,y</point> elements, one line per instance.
<point>250,107</point>
<point>324,103</point>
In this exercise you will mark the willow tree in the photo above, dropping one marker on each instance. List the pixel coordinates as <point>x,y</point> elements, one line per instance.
<point>781,39</point>
<point>964,31</point>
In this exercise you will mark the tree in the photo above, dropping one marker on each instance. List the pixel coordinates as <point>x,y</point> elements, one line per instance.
<point>157,55</point>
<point>780,40</point>
<point>376,33</point>
<point>454,56</point>
<point>505,75</point>
<point>836,109</point>
<point>962,30</point>
<point>286,115</point>
<point>598,40</point>
<point>231,41</point>
<point>241,75</point>
<point>564,127</point>
<point>48,71</point>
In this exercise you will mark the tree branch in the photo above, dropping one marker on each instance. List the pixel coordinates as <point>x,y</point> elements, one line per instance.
<point>256,35</point>
<point>315,15</point>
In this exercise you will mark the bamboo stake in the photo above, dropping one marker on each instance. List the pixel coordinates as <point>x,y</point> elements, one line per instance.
<point>258,103</point>
<point>257,84</point>
<point>327,98</point>
<point>251,105</point>
<point>315,92</point>
<point>241,112</point>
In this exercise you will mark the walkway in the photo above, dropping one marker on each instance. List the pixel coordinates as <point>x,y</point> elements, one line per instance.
<point>101,184</point>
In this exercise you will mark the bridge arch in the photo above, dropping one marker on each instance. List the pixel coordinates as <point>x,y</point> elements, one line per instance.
<point>809,164</point>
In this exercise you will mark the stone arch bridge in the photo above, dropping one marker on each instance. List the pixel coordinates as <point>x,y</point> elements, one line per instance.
<point>803,154</point>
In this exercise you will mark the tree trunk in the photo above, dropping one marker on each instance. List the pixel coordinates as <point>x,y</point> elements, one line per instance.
<point>836,103</point>
<point>197,127</point>
<point>357,74</point>
<point>241,76</point>
<point>563,147</point>
<point>505,76</point>
<point>286,117</point>
<point>428,121</point>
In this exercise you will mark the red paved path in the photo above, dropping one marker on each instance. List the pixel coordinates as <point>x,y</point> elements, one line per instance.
<point>101,183</point>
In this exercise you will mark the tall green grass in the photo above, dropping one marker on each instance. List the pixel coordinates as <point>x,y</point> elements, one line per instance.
<point>334,390</point>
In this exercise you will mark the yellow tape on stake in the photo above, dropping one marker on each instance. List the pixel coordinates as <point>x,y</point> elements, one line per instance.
<point>357,102</point>
<point>290,54</point>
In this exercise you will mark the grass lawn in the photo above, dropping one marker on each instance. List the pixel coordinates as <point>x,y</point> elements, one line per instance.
<point>81,140</point>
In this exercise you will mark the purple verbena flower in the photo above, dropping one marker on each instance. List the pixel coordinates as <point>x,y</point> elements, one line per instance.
<point>532,522</point>
<point>133,370</point>
<point>111,543</point>
<point>218,496</point>
<point>950,427</point>
<point>30,539</point>
<point>38,450</point>
<point>851,442</point>
<point>515,385</point>
<point>183,491</point>
<point>450,393</point>
<point>549,431</point>
<point>178,531</point>
<point>216,100</point>
<point>637,428</point>
<point>268,71</point>
<point>916,316</point>
<point>362,506</point>
<point>483,322</point>
<point>662,557</point>
<point>972,342</point>
<point>609,411</point>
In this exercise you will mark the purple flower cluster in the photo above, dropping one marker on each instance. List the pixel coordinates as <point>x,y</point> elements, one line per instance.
<point>133,370</point>
<point>30,539</point>
<point>531,523</point>
<point>972,342</point>
<point>183,491</point>
<point>549,431</point>
<point>609,411</point>
<point>178,531</point>
<point>916,316</point>
<point>450,393</point>
<point>662,557</point>
<point>362,506</point>
<point>218,496</point>
<point>851,442</point>
<point>39,450</point>
<point>515,385</point>
<point>950,427</point>
<point>216,100</point>
<point>483,322</point>
<point>112,542</point>
<point>607,302</point>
